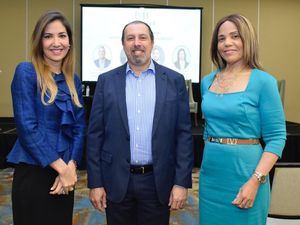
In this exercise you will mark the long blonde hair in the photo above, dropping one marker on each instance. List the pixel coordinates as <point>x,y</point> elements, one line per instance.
<point>45,78</point>
<point>249,39</point>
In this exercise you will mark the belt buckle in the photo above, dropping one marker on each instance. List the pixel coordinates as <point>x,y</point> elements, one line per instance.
<point>143,169</point>
<point>232,141</point>
<point>216,140</point>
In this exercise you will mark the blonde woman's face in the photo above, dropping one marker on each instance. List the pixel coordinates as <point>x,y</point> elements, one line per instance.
<point>230,45</point>
<point>55,43</point>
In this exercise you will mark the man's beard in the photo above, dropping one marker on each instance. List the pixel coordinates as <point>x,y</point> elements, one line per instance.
<point>138,60</point>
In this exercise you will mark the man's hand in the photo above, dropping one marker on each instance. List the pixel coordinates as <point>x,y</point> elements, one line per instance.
<point>178,197</point>
<point>98,198</point>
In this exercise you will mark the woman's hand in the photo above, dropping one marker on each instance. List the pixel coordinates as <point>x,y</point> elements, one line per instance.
<point>73,166</point>
<point>57,187</point>
<point>247,193</point>
<point>67,176</point>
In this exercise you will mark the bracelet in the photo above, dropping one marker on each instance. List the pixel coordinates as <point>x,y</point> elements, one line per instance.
<point>260,177</point>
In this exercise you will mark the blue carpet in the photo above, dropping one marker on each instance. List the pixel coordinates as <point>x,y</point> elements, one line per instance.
<point>84,213</point>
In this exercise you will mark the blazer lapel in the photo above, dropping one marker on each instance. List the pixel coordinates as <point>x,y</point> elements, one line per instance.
<point>161,90</point>
<point>120,84</point>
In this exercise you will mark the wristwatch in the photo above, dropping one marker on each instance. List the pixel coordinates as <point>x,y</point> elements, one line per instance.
<point>260,177</point>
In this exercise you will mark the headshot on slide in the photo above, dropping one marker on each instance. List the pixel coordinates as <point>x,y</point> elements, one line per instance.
<point>158,54</point>
<point>102,56</point>
<point>181,57</point>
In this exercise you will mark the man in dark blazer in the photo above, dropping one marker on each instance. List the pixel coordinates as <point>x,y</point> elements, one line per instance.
<point>139,143</point>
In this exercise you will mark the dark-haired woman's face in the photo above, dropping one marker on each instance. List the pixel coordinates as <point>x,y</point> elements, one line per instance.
<point>55,43</point>
<point>230,45</point>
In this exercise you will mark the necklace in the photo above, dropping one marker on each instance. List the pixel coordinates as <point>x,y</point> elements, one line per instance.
<point>223,83</point>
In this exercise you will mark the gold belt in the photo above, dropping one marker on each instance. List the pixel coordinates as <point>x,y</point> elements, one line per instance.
<point>234,141</point>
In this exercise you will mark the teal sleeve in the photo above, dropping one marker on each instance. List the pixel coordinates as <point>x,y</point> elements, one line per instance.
<point>202,88</point>
<point>272,117</point>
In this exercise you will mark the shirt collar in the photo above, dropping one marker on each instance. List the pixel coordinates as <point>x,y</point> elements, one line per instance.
<point>150,69</point>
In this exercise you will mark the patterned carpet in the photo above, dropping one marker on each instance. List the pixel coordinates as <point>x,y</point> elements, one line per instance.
<point>84,214</point>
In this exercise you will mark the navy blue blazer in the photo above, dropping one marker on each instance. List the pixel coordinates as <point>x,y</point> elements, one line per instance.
<point>45,132</point>
<point>108,145</point>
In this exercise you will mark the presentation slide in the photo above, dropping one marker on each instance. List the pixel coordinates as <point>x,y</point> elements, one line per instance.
<point>177,38</point>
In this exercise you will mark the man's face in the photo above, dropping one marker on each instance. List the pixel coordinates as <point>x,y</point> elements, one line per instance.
<point>137,45</point>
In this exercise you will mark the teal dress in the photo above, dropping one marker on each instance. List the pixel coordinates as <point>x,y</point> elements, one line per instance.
<point>255,112</point>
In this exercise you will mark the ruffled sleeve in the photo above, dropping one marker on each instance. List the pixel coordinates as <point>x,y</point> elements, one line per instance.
<point>72,124</point>
<point>64,102</point>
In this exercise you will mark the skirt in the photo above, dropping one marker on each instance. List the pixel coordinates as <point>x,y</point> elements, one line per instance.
<point>31,202</point>
<point>224,170</point>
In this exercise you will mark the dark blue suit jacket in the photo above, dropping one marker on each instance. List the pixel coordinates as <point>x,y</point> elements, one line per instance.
<point>108,145</point>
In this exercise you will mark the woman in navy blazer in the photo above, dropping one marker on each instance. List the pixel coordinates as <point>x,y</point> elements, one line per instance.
<point>50,122</point>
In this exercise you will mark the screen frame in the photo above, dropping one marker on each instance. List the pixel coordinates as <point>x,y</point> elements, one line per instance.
<point>140,6</point>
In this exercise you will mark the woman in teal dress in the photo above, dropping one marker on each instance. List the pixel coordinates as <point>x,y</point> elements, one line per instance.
<point>241,106</point>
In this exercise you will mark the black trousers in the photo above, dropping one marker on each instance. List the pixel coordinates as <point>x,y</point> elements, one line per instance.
<point>140,205</point>
<point>31,202</point>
